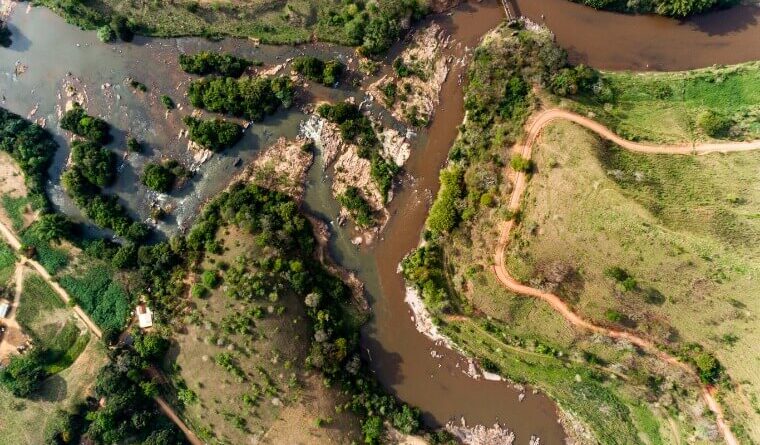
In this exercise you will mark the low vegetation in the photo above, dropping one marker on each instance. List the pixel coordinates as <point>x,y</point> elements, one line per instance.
<point>670,8</point>
<point>214,134</point>
<point>522,338</point>
<point>252,98</point>
<point>678,107</point>
<point>327,73</point>
<point>209,62</point>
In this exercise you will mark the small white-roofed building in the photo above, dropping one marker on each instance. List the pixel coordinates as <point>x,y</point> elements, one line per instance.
<point>4,309</point>
<point>144,316</point>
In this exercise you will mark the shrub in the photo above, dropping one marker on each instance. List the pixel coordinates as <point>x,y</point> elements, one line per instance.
<point>314,69</point>
<point>139,86</point>
<point>24,374</point>
<point>95,162</point>
<point>613,316</point>
<point>157,177</point>
<point>5,35</point>
<point>78,122</point>
<point>209,62</point>
<point>359,208</point>
<point>521,164</point>
<point>168,102</point>
<point>210,279</point>
<point>576,80</point>
<point>106,34</point>
<point>713,124</point>
<point>198,291</point>
<point>214,134</point>
<point>133,145</point>
<point>252,98</point>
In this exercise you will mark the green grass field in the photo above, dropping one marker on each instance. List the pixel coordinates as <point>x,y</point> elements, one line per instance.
<point>95,289</point>
<point>14,208</point>
<point>665,107</point>
<point>7,263</point>
<point>681,227</point>
<point>53,327</point>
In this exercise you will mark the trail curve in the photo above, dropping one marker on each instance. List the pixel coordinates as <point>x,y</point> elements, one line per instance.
<point>520,179</point>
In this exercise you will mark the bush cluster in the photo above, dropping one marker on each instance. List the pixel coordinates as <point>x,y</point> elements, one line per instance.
<point>252,98</point>
<point>96,163</point>
<point>91,128</point>
<point>359,208</point>
<point>315,69</point>
<point>162,177</point>
<point>214,134</point>
<point>357,128</point>
<point>373,26</point>
<point>574,80</point>
<point>209,62</point>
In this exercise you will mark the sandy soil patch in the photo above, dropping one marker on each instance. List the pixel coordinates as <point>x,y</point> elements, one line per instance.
<point>282,166</point>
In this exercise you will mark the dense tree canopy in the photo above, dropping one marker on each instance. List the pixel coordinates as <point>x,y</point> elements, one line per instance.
<point>91,128</point>
<point>32,147</point>
<point>209,62</point>
<point>24,374</point>
<point>317,70</point>
<point>673,8</point>
<point>96,163</point>
<point>252,98</point>
<point>214,134</point>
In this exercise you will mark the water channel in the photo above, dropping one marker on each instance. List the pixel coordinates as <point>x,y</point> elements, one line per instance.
<point>54,52</point>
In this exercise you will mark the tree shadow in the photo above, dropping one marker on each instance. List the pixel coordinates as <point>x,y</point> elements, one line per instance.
<point>726,21</point>
<point>54,389</point>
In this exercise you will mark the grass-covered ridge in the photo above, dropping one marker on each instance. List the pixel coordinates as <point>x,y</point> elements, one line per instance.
<point>704,104</point>
<point>373,26</point>
<point>670,8</point>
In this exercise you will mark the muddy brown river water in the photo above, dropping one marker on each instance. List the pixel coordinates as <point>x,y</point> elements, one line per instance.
<point>401,357</point>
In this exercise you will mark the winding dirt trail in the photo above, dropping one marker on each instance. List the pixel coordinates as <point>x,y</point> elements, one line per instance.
<point>15,243</point>
<point>537,123</point>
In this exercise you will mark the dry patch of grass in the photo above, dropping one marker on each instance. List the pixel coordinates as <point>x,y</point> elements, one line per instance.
<point>241,373</point>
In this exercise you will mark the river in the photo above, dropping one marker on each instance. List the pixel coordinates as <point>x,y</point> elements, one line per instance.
<point>400,357</point>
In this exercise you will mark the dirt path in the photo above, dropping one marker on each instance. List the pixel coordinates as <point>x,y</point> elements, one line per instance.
<point>11,238</point>
<point>519,179</point>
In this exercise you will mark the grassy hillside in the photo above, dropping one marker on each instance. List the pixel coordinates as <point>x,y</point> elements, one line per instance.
<point>351,23</point>
<point>671,8</point>
<point>711,103</point>
<point>680,227</point>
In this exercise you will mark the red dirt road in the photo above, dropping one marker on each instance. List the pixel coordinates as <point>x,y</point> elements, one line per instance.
<point>535,126</point>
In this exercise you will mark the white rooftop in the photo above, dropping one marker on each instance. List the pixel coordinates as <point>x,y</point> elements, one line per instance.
<point>144,316</point>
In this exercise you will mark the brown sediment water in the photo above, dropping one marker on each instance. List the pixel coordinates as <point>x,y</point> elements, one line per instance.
<point>613,41</point>
<point>401,357</point>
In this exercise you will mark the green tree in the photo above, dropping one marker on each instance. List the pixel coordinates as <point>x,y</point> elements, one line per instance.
<point>24,373</point>
<point>96,163</point>
<point>157,177</point>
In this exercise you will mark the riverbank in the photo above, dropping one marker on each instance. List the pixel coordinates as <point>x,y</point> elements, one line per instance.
<point>498,327</point>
